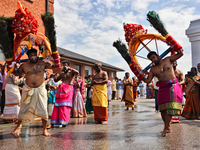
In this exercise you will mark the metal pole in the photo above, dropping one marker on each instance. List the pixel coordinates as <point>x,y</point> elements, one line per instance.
<point>47,5</point>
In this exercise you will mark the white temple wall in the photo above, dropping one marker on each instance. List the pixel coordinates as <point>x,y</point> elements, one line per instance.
<point>193,33</point>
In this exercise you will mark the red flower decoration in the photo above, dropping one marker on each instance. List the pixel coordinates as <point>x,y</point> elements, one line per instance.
<point>24,23</point>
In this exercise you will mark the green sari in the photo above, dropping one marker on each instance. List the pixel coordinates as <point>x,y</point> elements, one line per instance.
<point>88,105</point>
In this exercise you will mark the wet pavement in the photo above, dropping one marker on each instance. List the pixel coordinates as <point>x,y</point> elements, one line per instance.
<point>137,129</point>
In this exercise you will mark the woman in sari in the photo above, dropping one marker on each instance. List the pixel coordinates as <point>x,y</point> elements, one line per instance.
<point>78,108</point>
<point>191,109</point>
<point>88,105</point>
<point>149,92</point>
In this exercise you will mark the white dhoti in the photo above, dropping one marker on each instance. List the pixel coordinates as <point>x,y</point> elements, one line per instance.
<point>50,109</point>
<point>33,103</point>
<point>12,102</point>
<point>119,94</point>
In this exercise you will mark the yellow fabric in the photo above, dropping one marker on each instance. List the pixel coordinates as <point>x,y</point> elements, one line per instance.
<point>34,103</point>
<point>29,43</point>
<point>9,59</point>
<point>55,52</point>
<point>128,97</point>
<point>166,36</point>
<point>129,93</point>
<point>113,86</point>
<point>99,97</point>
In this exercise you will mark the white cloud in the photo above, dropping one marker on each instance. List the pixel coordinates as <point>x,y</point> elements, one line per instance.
<point>90,27</point>
<point>141,6</point>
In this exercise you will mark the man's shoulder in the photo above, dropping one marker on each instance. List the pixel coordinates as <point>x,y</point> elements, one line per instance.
<point>103,72</point>
<point>166,58</point>
<point>130,79</point>
<point>24,63</point>
<point>179,71</point>
<point>62,73</point>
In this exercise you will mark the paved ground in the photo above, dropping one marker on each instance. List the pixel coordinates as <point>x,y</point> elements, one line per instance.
<point>138,130</point>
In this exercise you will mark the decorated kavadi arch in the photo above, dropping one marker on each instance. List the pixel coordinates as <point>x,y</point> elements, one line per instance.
<point>20,33</point>
<point>135,35</point>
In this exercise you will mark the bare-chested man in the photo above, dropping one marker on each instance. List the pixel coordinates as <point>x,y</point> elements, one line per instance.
<point>99,98</point>
<point>178,73</point>
<point>169,94</point>
<point>34,94</point>
<point>63,102</point>
<point>128,96</point>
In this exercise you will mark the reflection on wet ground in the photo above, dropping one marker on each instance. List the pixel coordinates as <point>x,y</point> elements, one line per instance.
<point>78,121</point>
<point>132,129</point>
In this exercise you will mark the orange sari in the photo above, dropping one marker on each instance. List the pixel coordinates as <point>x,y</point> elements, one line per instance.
<point>128,96</point>
<point>191,109</point>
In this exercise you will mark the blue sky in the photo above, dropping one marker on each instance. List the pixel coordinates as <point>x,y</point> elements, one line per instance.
<point>90,27</point>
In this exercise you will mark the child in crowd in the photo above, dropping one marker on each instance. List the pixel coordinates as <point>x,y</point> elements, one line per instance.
<point>51,100</point>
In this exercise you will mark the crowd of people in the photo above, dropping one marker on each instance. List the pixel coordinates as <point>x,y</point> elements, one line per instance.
<point>31,93</point>
<point>64,93</point>
<point>12,90</point>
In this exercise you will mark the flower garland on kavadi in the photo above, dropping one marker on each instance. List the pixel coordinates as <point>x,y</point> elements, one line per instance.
<point>24,27</point>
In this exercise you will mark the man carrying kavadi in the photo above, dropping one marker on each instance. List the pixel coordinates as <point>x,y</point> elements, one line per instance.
<point>170,92</point>
<point>34,94</point>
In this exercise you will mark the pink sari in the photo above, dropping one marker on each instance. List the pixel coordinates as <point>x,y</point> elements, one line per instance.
<point>78,107</point>
<point>170,96</point>
<point>63,104</point>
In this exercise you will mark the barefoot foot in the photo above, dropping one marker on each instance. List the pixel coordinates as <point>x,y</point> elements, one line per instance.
<point>169,131</point>
<point>163,133</point>
<point>16,129</point>
<point>50,126</point>
<point>104,122</point>
<point>45,133</point>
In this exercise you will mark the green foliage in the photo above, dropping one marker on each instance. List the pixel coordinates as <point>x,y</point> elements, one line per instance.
<point>48,21</point>
<point>121,48</point>
<point>155,21</point>
<point>6,36</point>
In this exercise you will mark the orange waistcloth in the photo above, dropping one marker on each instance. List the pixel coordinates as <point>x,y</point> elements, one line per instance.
<point>100,113</point>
